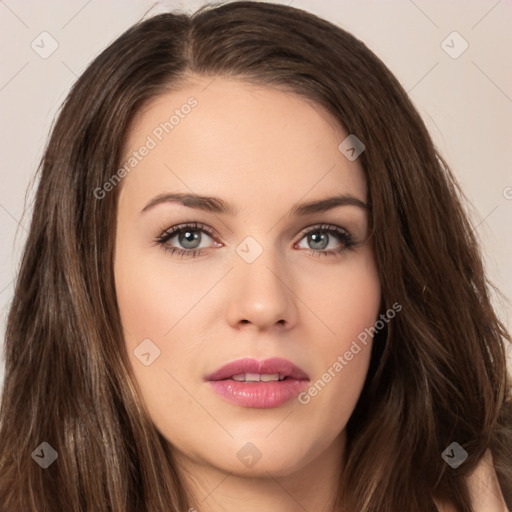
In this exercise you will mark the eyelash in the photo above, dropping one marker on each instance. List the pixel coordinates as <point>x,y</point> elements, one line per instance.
<point>344,236</point>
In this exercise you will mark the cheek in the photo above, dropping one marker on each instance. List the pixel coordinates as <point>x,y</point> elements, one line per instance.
<point>152,296</point>
<point>345,298</point>
<point>158,302</point>
<point>349,308</point>
<point>146,303</point>
<point>153,304</point>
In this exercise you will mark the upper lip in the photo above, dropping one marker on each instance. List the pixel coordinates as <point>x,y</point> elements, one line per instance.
<point>267,366</point>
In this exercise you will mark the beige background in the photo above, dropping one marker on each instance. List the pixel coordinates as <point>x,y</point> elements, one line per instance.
<point>465,101</point>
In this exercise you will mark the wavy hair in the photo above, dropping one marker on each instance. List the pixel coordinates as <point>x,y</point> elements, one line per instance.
<point>437,374</point>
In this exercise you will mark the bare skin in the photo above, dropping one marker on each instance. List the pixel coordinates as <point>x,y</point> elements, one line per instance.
<point>263,151</point>
<point>484,489</point>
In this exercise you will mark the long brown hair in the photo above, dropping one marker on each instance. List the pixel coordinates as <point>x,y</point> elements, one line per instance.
<point>438,372</point>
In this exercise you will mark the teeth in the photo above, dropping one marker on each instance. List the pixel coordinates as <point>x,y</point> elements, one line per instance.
<point>256,377</point>
<point>267,377</point>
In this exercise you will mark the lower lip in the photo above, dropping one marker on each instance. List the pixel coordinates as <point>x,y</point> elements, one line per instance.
<point>260,395</point>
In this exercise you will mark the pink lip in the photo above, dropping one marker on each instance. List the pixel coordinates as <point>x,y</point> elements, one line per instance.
<point>259,394</point>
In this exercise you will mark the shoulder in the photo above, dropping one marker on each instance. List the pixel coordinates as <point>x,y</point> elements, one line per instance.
<point>484,489</point>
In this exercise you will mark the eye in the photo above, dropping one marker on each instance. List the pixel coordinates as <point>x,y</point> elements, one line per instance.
<point>190,236</point>
<point>319,237</point>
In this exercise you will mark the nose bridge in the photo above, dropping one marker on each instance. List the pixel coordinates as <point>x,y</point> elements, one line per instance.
<point>261,293</point>
<point>260,265</point>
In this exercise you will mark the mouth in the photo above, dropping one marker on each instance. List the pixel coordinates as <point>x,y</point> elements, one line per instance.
<point>252,370</point>
<point>258,384</point>
<point>256,377</point>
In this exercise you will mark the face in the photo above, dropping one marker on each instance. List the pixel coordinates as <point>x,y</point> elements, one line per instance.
<point>251,277</point>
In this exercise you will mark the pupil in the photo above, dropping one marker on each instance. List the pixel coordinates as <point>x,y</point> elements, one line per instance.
<point>189,237</point>
<point>315,240</point>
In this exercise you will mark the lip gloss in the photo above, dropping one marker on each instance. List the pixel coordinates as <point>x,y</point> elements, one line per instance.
<point>260,395</point>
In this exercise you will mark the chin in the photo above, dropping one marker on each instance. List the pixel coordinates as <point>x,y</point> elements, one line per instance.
<point>259,457</point>
<point>278,465</point>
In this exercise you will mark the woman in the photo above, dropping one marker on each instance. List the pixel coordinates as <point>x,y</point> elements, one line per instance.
<point>238,288</point>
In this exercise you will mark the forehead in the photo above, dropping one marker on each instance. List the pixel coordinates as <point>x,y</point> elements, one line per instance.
<point>216,134</point>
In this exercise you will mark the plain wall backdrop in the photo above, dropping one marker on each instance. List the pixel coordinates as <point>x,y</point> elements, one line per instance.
<point>453,58</point>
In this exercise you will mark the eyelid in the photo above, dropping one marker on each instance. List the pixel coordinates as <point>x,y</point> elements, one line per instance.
<point>345,237</point>
<point>196,226</point>
<point>199,226</point>
<point>322,226</point>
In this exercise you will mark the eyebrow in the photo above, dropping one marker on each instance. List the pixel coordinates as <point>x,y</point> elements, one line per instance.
<point>217,205</point>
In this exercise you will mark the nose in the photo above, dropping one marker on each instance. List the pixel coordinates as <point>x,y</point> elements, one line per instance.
<point>261,294</point>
